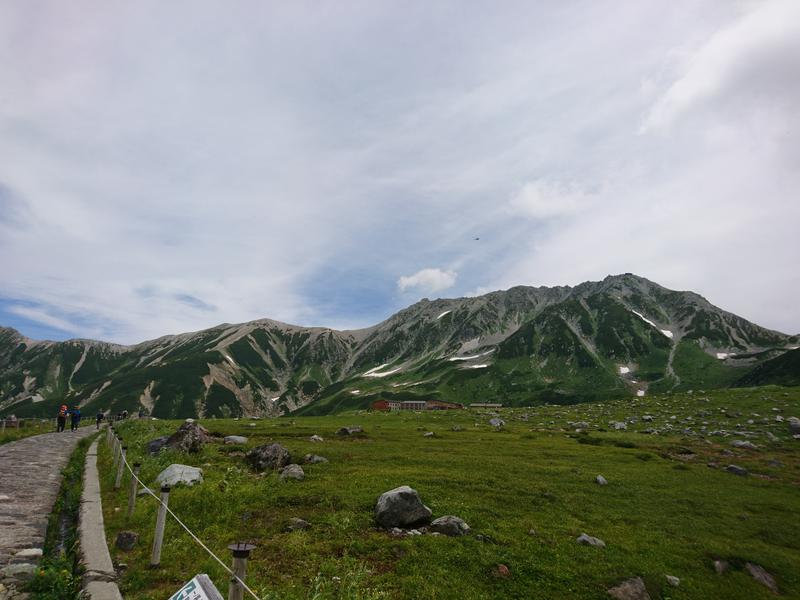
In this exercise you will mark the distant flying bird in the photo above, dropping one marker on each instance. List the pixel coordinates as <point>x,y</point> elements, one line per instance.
<point>476,239</point>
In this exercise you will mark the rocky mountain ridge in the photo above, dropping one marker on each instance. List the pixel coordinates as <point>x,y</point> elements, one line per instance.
<point>620,336</point>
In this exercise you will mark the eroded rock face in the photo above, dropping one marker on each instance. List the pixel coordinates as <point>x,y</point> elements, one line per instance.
<point>450,525</point>
<point>190,437</point>
<point>632,589</point>
<point>401,507</point>
<point>175,474</point>
<point>268,457</point>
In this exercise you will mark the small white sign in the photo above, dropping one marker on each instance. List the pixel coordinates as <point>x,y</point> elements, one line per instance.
<point>199,588</point>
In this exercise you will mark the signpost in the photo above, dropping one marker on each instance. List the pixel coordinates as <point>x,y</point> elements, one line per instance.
<point>199,588</point>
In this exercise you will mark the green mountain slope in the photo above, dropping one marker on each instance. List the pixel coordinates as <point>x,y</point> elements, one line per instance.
<point>623,336</point>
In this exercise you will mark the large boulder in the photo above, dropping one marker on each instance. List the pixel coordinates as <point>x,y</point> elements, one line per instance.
<point>587,540</point>
<point>269,457</point>
<point>175,474</point>
<point>794,425</point>
<point>401,507</point>
<point>190,437</point>
<point>450,525</point>
<point>497,423</point>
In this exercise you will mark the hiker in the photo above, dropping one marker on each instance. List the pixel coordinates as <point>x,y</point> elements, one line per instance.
<point>100,416</point>
<point>75,418</point>
<point>62,417</point>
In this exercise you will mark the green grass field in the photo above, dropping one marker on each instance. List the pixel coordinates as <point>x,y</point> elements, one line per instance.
<point>664,511</point>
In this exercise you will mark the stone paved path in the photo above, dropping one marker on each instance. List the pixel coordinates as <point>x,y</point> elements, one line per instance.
<point>30,476</point>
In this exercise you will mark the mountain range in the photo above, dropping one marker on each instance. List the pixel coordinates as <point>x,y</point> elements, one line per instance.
<point>622,336</point>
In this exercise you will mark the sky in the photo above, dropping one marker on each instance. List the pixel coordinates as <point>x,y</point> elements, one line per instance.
<point>166,167</point>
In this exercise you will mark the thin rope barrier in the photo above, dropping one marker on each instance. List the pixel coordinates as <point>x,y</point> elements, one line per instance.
<point>189,531</point>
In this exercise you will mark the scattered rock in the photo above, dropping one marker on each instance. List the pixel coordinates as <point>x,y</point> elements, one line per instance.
<point>190,437</point>
<point>744,444</point>
<point>292,472</point>
<point>155,446</point>
<point>772,437</point>
<point>673,581</point>
<point>497,423</point>
<point>401,507</point>
<point>620,426</point>
<point>316,438</point>
<point>457,428</point>
<point>450,526</point>
<point>794,425</point>
<point>632,589</point>
<point>774,462</point>
<point>762,576</point>
<point>296,524</point>
<point>126,540</point>
<point>313,459</point>
<point>721,566</point>
<point>235,439</point>
<point>175,474</point>
<point>501,571</point>
<point>428,434</point>
<point>648,418</point>
<point>601,480</point>
<point>349,430</point>
<point>268,457</point>
<point>581,425</point>
<point>588,540</point>
<point>736,470</point>
<point>532,532</point>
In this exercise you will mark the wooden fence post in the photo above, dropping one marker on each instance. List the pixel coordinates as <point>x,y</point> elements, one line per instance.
<point>120,467</point>
<point>133,489</point>
<point>241,551</point>
<point>161,519</point>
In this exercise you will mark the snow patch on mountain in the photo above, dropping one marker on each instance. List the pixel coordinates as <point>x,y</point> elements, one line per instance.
<point>665,332</point>
<point>473,357</point>
<point>443,314</point>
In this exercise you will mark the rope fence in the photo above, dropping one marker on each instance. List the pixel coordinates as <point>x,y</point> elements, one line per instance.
<point>240,551</point>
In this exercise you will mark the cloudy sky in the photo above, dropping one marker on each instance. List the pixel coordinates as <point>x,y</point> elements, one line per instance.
<point>165,167</point>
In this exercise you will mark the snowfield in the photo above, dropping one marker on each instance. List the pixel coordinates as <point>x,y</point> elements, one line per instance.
<point>473,357</point>
<point>665,332</point>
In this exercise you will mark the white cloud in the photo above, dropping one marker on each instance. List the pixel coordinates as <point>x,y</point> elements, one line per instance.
<point>758,57</point>
<point>427,280</point>
<point>41,316</point>
<point>547,199</point>
<point>275,167</point>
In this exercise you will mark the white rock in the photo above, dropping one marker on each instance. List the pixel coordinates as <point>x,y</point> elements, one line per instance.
<point>175,474</point>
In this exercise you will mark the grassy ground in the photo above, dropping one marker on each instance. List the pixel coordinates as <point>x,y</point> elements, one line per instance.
<point>59,575</point>
<point>663,512</point>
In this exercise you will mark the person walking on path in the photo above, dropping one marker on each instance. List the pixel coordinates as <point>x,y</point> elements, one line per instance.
<point>75,418</point>
<point>100,416</point>
<point>62,417</point>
